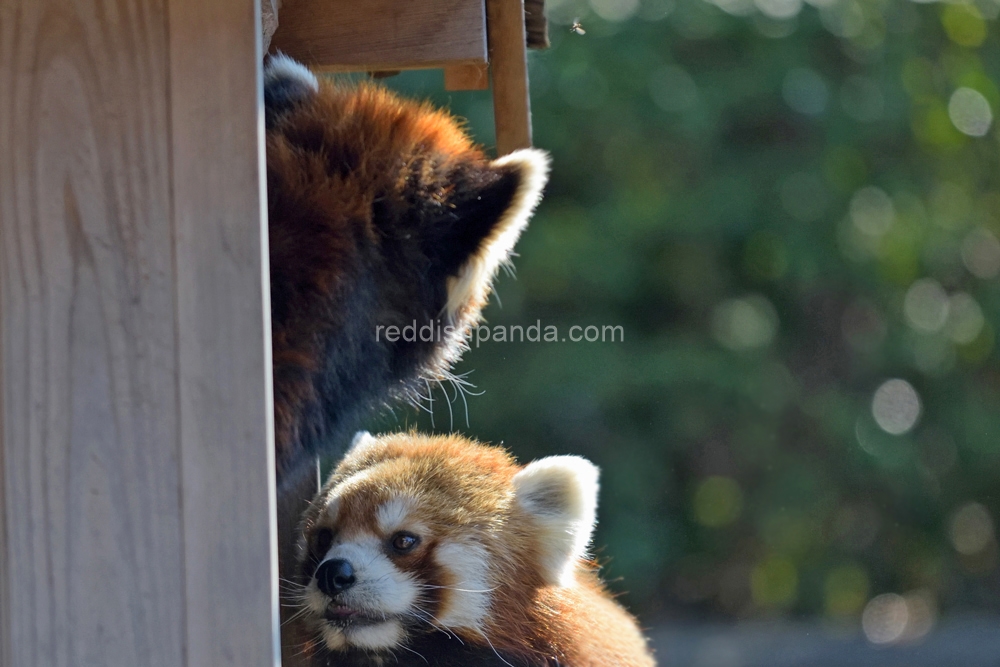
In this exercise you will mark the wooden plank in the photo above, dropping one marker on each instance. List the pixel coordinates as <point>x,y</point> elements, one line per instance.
<point>467,77</point>
<point>7,50</point>
<point>390,69</point>
<point>223,324</point>
<point>93,541</point>
<point>378,35</point>
<point>133,396</point>
<point>509,66</point>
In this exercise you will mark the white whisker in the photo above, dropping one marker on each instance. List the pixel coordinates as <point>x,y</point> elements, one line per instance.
<point>412,651</point>
<point>451,414</point>
<point>495,651</point>
<point>430,401</point>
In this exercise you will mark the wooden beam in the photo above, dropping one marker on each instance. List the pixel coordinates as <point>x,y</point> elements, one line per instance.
<point>223,335</point>
<point>378,35</point>
<point>509,67</point>
<point>467,77</point>
<point>135,472</point>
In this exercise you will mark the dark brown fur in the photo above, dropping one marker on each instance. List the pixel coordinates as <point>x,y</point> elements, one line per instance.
<point>372,203</point>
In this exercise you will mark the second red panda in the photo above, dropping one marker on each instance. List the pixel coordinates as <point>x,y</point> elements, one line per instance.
<point>439,550</point>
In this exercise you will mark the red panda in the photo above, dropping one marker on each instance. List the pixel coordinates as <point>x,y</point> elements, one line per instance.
<point>382,214</point>
<point>439,550</point>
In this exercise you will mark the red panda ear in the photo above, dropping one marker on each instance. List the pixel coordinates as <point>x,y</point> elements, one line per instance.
<point>362,441</point>
<point>560,493</point>
<point>489,220</point>
<point>287,82</point>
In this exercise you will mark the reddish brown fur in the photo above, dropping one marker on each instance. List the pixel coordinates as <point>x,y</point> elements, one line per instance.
<point>377,207</point>
<point>463,486</point>
<point>318,213</point>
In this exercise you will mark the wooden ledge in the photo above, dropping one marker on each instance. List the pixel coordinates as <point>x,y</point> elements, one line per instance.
<point>466,38</point>
<point>373,35</point>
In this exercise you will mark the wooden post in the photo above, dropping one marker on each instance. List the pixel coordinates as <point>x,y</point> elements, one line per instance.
<point>136,486</point>
<point>509,66</point>
<point>467,77</point>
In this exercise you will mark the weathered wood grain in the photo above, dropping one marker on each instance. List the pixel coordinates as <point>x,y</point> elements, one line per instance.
<point>134,450</point>
<point>378,35</point>
<point>223,329</point>
<point>93,541</point>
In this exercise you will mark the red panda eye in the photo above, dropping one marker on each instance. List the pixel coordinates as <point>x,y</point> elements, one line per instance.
<point>323,540</point>
<point>404,542</point>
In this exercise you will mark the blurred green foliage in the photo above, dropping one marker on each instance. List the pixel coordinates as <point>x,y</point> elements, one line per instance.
<point>785,206</point>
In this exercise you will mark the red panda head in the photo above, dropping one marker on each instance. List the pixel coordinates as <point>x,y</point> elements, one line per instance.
<point>416,534</point>
<point>383,214</point>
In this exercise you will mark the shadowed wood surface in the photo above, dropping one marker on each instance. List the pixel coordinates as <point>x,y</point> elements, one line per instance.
<point>134,450</point>
<point>347,35</point>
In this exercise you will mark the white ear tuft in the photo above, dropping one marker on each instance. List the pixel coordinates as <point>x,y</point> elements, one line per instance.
<point>476,276</point>
<point>287,83</point>
<point>560,493</point>
<point>281,68</point>
<point>362,441</point>
<point>534,167</point>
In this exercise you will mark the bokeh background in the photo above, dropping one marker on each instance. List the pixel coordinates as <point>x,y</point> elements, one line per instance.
<point>793,211</point>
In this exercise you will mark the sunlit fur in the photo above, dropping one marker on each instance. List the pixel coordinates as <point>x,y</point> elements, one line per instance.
<point>468,291</point>
<point>281,68</point>
<point>560,492</point>
<point>382,212</point>
<point>499,575</point>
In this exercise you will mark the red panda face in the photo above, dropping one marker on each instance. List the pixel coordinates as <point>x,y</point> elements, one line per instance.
<point>390,571</point>
<point>413,535</point>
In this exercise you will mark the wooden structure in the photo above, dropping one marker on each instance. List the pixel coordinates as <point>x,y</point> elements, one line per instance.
<point>136,464</point>
<point>472,40</point>
<point>135,453</point>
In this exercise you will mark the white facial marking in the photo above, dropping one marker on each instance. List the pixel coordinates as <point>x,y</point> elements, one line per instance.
<point>314,599</point>
<point>380,586</point>
<point>381,590</point>
<point>382,635</point>
<point>333,637</point>
<point>352,481</point>
<point>335,494</point>
<point>466,601</point>
<point>392,514</point>
<point>333,508</point>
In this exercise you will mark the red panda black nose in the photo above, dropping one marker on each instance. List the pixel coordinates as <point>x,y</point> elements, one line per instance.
<point>334,576</point>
